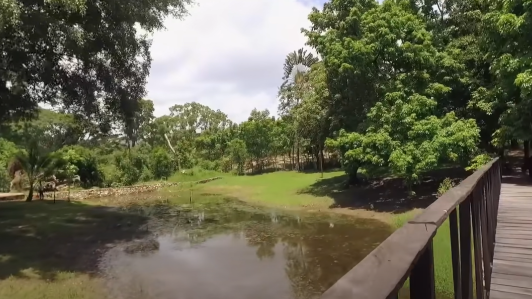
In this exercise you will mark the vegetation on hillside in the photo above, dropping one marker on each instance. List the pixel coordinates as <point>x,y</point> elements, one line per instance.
<point>398,85</point>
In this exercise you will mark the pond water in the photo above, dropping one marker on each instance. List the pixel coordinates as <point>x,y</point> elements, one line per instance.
<point>240,252</point>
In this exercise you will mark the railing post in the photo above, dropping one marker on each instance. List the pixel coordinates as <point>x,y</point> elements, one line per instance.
<point>455,253</point>
<point>422,282</point>
<point>476,203</point>
<point>465,248</point>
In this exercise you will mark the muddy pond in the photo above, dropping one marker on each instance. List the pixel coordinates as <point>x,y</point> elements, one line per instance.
<point>226,249</point>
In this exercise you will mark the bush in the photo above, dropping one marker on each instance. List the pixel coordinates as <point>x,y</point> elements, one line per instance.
<point>445,186</point>
<point>110,176</point>
<point>478,162</point>
<point>146,175</point>
<point>132,167</point>
<point>161,163</point>
<point>86,161</point>
<point>209,165</point>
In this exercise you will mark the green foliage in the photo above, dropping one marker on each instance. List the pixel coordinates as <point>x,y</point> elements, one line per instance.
<point>161,163</point>
<point>479,161</point>
<point>132,167</point>
<point>111,176</point>
<point>7,152</point>
<point>88,168</point>
<point>37,163</point>
<point>445,186</point>
<point>78,32</point>
<point>238,154</point>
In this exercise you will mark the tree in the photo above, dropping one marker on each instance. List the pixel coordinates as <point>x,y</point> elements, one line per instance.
<point>135,128</point>
<point>60,53</point>
<point>238,154</point>
<point>352,73</point>
<point>301,60</point>
<point>52,129</point>
<point>296,66</point>
<point>405,131</point>
<point>162,164</point>
<point>313,114</point>
<point>36,163</point>
<point>505,40</point>
<point>7,151</point>
<point>256,132</point>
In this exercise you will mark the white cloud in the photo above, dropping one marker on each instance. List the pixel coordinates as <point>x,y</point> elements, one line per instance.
<point>227,54</point>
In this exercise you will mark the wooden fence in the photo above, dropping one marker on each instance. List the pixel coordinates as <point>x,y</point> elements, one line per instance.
<point>471,208</point>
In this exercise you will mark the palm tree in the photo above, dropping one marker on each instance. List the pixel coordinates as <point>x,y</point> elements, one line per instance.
<point>300,56</point>
<point>296,66</point>
<point>304,61</point>
<point>35,162</point>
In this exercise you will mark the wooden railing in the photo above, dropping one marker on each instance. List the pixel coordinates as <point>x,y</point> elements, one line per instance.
<point>471,208</point>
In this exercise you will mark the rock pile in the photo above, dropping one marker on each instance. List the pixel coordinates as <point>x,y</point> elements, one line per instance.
<point>105,192</point>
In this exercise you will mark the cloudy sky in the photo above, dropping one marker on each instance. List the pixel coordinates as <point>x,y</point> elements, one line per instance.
<point>227,54</point>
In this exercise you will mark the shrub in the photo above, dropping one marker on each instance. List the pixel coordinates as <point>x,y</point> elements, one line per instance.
<point>161,163</point>
<point>478,162</point>
<point>110,176</point>
<point>209,165</point>
<point>445,186</point>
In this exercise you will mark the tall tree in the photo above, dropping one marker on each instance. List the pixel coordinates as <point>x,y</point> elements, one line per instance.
<point>86,56</point>
<point>352,72</point>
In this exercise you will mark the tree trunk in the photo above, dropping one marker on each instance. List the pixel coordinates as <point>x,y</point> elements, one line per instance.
<point>298,166</point>
<point>292,159</point>
<point>30,194</point>
<point>321,162</point>
<point>526,153</point>
<point>353,179</point>
<point>175,153</point>
<point>68,197</point>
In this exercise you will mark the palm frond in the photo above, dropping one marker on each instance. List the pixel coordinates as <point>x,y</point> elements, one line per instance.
<point>300,56</point>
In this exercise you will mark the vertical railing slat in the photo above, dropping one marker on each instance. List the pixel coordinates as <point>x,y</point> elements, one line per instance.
<point>465,248</point>
<point>476,201</point>
<point>455,254</point>
<point>422,282</point>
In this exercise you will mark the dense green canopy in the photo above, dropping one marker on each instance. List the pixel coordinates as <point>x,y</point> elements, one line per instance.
<point>402,85</point>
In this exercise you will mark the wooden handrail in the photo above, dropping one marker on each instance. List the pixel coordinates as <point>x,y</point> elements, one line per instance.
<point>471,208</point>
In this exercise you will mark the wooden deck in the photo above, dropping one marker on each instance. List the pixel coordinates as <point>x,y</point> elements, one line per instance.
<point>512,262</point>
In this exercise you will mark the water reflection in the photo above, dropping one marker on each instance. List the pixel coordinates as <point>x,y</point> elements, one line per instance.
<point>238,254</point>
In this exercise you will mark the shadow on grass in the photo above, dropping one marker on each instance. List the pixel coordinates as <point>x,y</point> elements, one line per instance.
<point>66,236</point>
<point>385,195</point>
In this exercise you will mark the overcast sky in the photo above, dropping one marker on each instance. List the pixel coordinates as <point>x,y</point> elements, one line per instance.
<point>227,54</point>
